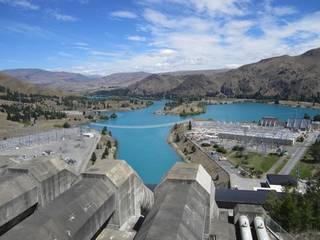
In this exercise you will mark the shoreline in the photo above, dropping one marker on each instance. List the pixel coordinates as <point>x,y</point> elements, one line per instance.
<point>287,103</point>
<point>176,147</point>
<point>218,174</point>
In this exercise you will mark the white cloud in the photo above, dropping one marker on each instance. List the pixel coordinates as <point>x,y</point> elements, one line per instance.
<point>229,7</point>
<point>278,11</point>
<point>20,3</point>
<point>81,44</point>
<point>210,7</point>
<point>167,52</point>
<point>62,17</point>
<point>191,23</point>
<point>136,38</point>
<point>105,54</point>
<point>65,54</point>
<point>124,14</point>
<point>28,30</point>
<point>222,38</point>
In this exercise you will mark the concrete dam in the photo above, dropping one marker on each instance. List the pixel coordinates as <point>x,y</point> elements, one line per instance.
<point>42,199</point>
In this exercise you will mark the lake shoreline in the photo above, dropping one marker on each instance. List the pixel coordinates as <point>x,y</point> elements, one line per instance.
<point>287,103</point>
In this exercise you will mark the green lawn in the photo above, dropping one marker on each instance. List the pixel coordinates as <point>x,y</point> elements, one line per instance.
<point>309,165</point>
<point>284,162</point>
<point>307,170</point>
<point>259,162</point>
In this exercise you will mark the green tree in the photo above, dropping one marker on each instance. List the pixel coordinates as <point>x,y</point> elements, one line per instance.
<point>93,158</point>
<point>306,116</point>
<point>104,131</point>
<point>177,138</point>
<point>296,212</point>
<point>113,115</point>
<point>66,125</point>
<point>105,153</point>
<point>314,151</point>
<point>316,118</point>
<point>175,126</point>
<point>109,145</point>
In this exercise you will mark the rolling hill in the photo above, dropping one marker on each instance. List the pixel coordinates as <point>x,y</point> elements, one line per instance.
<point>284,77</point>
<point>14,84</point>
<point>75,82</point>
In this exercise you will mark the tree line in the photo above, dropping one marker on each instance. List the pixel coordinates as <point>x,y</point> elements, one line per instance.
<point>21,113</point>
<point>296,212</point>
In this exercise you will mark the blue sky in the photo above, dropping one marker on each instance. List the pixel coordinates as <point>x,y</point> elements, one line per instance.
<point>107,36</point>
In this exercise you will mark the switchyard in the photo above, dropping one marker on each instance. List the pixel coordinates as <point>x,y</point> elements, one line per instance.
<point>75,146</point>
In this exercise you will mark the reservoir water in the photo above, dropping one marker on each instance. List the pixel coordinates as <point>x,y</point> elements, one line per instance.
<point>142,135</point>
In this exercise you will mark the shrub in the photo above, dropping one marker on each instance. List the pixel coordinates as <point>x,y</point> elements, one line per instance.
<point>104,131</point>
<point>238,148</point>
<point>93,158</point>
<point>221,150</point>
<point>66,125</point>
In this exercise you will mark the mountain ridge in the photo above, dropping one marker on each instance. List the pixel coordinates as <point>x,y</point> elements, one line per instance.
<point>283,77</point>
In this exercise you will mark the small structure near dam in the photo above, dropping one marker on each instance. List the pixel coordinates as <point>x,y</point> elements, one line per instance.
<point>109,201</point>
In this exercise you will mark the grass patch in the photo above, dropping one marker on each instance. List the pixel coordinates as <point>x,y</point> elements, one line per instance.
<point>309,166</point>
<point>284,162</point>
<point>254,161</point>
<point>306,170</point>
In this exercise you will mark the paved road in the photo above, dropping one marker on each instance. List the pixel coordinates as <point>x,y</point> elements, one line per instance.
<point>298,154</point>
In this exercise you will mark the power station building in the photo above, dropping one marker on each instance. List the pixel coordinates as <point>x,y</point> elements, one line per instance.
<point>42,199</point>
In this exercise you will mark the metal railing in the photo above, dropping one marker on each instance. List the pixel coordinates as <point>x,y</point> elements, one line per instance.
<point>276,230</point>
<point>38,138</point>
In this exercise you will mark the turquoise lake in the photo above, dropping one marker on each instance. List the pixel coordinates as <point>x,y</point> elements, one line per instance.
<point>142,135</point>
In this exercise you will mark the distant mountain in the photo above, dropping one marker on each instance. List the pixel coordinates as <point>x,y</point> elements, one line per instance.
<point>284,77</point>
<point>14,84</point>
<point>174,82</point>
<point>75,82</point>
<point>59,80</point>
<point>124,79</point>
<point>208,72</point>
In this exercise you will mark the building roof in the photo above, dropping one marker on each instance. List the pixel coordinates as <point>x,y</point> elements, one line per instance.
<point>181,211</point>
<point>5,162</point>
<point>190,172</point>
<point>283,180</point>
<point>182,205</point>
<point>228,198</point>
<point>112,234</point>
<point>117,171</point>
<point>40,168</point>
<point>68,215</point>
<point>298,123</point>
<point>14,185</point>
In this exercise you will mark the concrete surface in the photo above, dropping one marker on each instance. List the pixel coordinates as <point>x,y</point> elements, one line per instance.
<point>50,174</point>
<point>77,214</point>
<point>112,234</point>
<point>181,210</point>
<point>132,196</point>
<point>18,193</point>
